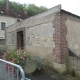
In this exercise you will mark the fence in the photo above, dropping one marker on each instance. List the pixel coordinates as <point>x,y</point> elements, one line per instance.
<point>11,71</point>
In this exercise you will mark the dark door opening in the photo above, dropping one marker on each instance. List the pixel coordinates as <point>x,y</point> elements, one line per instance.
<point>20,40</point>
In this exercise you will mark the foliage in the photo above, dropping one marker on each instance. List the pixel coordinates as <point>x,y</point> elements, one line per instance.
<point>13,5</point>
<point>2,50</point>
<point>32,9</point>
<point>16,6</point>
<point>3,3</point>
<point>22,57</point>
<point>33,63</point>
<point>15,56</point>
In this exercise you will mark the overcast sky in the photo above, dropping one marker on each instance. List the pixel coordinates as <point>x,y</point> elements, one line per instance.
<point>69,5</point>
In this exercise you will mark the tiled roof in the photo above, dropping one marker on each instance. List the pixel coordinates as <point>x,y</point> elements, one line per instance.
<point>13,13</point>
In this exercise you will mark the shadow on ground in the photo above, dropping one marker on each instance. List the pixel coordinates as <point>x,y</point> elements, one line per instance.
<point>50,75</point>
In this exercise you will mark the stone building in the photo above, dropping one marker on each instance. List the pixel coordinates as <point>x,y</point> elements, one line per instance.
<point>7,18</point>
<point>52,35</point>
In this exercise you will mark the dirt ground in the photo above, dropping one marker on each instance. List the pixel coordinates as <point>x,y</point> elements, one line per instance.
<point>50,75</point>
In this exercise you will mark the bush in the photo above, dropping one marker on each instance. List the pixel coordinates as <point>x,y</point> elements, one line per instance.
<point>2,50</point>
<point>24,59</point>
<point>15,56</point>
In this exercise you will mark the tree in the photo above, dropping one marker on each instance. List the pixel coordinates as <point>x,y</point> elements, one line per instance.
<point>12,5</point>
<point>31,9</point>
<point>16,6</point>
<point>3,3</point>
<point>42,8</point>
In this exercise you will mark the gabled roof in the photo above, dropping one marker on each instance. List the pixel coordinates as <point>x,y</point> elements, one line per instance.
<point>13,13</point>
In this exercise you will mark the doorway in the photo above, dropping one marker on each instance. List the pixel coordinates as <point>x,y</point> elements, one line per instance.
<point>20,40</point>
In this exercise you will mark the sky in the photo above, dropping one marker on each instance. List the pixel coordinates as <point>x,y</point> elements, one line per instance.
<point>72,6</point>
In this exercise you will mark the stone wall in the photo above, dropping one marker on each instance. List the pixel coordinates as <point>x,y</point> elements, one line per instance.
<point>73,36</point>
<point>73,42</point>
<point>39,32</point>
<point>73,64</point>
<point>11,41</point>
<point>39,40</point>
<point>50,35</point>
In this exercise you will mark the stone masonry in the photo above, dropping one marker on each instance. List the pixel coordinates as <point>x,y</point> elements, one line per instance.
<point>49,35</point>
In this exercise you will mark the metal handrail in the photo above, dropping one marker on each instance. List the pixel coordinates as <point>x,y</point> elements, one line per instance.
<point>17,66</point>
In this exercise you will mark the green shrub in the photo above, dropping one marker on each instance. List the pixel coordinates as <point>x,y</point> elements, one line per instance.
<point>2,50</point>
<point>23,58</point>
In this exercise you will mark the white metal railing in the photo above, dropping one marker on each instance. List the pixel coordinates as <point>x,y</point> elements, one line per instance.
<point>11,71</point>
